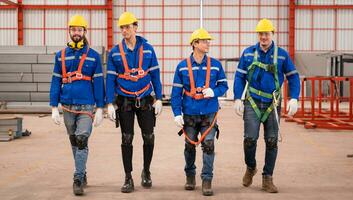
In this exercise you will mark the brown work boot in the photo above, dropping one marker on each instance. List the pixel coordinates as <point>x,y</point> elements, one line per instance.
<point>267,184</point>
<point>190,183</point>
<point>207,188</point>
<point>249,174</point>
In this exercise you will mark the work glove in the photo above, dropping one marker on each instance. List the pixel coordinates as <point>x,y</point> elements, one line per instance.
<point>98,117</point>
<point>111,112</point>
<point>207,93</point>
<point>179,121</point>
<point>158,107</point>
<point>292,107</point>
<point>55,115</point>
<point>239,107</point>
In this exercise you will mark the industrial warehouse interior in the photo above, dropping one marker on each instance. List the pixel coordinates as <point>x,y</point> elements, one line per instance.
<point>234,99</point>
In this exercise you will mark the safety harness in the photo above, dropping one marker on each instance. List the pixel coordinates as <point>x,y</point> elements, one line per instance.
<point>196,93</point>
<point>275,96</point>
<point>129,74</point>
<point>70,77</point>
<point>203,135</point>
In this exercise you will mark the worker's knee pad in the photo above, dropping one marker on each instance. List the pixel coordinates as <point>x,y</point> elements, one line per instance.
<point>148,139</point>
<point>271,143</point>
<point>190,147</point>
<point>249,143</point>
<point>208,146</point>
<point>127,139</point>
<point>81,141</point>
<point>73,140</point>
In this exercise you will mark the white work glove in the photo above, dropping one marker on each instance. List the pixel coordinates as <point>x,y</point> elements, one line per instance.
<point>207,93</point>
<point>55,115</point>
<point>292,107</point>
<point>111,112</point>
<point>239,107</point>
<point>98,117</point>
<point>179,121</point>
<point>158,107</point>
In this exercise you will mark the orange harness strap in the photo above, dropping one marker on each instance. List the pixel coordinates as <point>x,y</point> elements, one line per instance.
<point>76,75</point>
<point>195,92</point>
<point>127,72</point>
<point>203,135</point>
<point>137,93</point>
<point>78,112</point>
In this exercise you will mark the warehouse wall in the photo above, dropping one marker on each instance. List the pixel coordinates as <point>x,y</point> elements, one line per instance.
<point>167,24</point>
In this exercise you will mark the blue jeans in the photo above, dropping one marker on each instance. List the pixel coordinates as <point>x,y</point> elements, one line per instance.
<point>78,125</point>
<point>251,134</point>
<point>195,124</point>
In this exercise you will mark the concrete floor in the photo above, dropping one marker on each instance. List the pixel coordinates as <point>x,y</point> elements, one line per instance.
<point>311,164</point>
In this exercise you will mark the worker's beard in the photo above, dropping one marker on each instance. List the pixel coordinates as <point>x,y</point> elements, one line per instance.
<point>76,38</point>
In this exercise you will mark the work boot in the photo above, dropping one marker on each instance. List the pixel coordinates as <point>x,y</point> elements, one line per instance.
<point>128,185</point>
<point>267,184</point>
<point>190,183</point>
<point>146,180</point>
<point>207,188</point>
<point>249,174</point>
<point>84,183</point>
<point>77,187</point>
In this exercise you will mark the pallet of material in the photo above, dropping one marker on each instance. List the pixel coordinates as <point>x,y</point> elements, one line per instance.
<point>10,127</point>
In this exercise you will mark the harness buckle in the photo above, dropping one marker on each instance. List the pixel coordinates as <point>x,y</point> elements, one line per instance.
<point>133,70</point>
<point>199,89</point>
<point>137,103</point>
<point>79,75</point>
<point>69,80</point>
<point>141,72</point>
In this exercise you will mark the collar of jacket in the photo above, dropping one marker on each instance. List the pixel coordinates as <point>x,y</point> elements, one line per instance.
<point>193,61</point>
<point>270,50</point>
<point>139,41</point>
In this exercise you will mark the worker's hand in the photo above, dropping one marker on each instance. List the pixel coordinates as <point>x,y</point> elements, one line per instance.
<point>179,121</point>
<point>208,92</point>
<point>55,115</point>
<point>98,117</point>
<point>292,107</point>
<point>239,107</point>
<point>111,112</point>
<point>158,107</point>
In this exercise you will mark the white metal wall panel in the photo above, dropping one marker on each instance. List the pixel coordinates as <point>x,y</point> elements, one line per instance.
<point>344,35</point>
<point>33,23</point>
<point>302,40</point>
<point>8,27</point>
<point>323,18</point>
<point>315,2</point>
<point>344,2</point>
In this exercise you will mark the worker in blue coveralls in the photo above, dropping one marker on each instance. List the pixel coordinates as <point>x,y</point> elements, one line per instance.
<point>78,85</point>
<point>257,88</point>
<point>198,82</point>
<point>133,75</point>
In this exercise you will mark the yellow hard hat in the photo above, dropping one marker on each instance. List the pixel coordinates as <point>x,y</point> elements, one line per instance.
<point>126,18</point>
<point>265,25</point>
<point>200,34</point>
<point>78,20</point>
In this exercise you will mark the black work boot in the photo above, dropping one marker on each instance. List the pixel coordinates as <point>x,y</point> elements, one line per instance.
<point>84,183</point>
<point>207,188</point>
<point>128,185</point>
<point>77,187</point>
<point>267,184</point>
<point>249,174</point>
<point>190,183</point>
<point>146,180</point>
